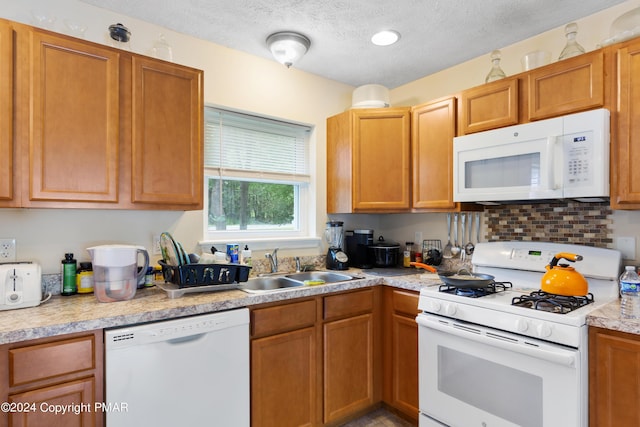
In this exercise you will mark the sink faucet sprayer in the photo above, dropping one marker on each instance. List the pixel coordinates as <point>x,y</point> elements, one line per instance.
<point>273,260</point>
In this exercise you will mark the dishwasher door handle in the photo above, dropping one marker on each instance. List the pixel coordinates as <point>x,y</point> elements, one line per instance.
<point>182,340</point>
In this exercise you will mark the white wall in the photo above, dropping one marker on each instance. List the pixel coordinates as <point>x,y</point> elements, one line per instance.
<point>241,81</point>
<point>592,30</point>
<point>232,79</point>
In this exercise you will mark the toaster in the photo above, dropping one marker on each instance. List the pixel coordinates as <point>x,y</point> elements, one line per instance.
<point>20,285</point>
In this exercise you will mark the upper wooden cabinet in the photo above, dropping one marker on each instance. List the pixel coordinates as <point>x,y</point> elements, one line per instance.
<point>489,106</point>
<point>625,141</point>
<point>433,126</point>
<point>97,127</point>
<point>167,133</point>
<point>368,161</point>
<point>71,133</point>
<point>6,114</point>
<point>568,86</point>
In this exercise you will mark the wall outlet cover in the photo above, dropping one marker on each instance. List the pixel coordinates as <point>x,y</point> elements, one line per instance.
<point>7,250</point>
<point>627,246</point>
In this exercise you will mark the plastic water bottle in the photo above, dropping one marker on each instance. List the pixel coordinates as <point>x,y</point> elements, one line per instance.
<point>630,293</point>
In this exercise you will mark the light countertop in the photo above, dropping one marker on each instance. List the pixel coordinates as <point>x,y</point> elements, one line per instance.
<point>77,313</point>
<point>608,317</point>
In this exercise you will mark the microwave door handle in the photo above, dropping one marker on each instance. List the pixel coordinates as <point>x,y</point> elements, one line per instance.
<point>554,170</point>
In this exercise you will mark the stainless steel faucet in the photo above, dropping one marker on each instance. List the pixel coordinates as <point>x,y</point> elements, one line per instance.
<point>297,259</point>
<point>273,260</point>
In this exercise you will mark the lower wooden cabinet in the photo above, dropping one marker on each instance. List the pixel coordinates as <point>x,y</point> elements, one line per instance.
<point>349,354</point>
<point>401,352</point>
<point>614,378</point>
<point>324,360</point>
<point>283,380</point>
<point>284,365</point>
<point>316,361</point>
<point>37,375</point>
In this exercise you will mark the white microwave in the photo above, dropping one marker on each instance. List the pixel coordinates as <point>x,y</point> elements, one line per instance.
<point>558,158</point>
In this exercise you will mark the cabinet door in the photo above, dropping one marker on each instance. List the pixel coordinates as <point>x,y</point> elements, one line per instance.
<point>489,106</point>
<point>614,378</point>
<point>568,86</point>
<point>167,134</point>
<point>283,379</point>
<point>381,162</point>
<point>404,353</point>
<point>77,394</point>
<point>433,129</point>
<point>6,112</point>
<point>625,146</point>
<point>72,132</point>
<point>348,366</point>
<point>405,364</point>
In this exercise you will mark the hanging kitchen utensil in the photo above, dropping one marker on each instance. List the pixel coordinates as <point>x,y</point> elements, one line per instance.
<point>446,252</point>
<point>469,247</point>
<point>561,279</point>
<point>455,249</point>
<point>460,279</point>
<point>463,220</point>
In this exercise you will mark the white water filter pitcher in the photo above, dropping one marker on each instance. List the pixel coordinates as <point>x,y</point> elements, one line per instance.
<point>115,271</point>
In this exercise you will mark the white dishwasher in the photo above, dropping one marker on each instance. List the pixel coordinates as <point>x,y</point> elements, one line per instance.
<point>185,372</point>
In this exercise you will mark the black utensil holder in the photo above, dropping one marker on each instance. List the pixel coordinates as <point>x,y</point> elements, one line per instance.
<point>190,275</point>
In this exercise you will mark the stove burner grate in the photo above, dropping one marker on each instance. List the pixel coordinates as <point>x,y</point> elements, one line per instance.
<point>544,301</point>
<point>474,292</point>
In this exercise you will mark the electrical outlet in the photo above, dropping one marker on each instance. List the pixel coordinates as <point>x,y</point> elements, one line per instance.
<point>7,250</point>
<point>627,246</point>
<point>156,245</point>
<point>417,238</point>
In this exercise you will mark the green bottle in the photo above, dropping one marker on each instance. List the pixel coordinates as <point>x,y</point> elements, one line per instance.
<point>69,267</point>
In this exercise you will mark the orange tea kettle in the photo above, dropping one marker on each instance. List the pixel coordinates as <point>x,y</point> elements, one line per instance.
<point>561,279</point>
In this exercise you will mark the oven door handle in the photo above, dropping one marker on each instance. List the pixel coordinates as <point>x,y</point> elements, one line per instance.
<point>497,339</point>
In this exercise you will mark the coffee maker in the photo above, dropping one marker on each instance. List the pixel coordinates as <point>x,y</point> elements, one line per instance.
<point>336,258</point>
<point>358,242</point>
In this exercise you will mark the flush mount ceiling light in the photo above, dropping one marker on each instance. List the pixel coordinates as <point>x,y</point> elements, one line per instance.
<point>288,47</point>
<point>385,37</point>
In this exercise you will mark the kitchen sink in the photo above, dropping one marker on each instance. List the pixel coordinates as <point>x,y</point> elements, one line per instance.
<point>265,284</point>
<point>292,280</point>
<point>327,276</point>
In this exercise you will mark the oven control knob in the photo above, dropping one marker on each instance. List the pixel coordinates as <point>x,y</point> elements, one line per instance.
<point>450,309</point>
<point>522,325</point>
<point>435,306</point>
<point>544,330</point>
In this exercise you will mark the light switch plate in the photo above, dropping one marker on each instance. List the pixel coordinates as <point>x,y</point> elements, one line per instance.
<point>627,246</point>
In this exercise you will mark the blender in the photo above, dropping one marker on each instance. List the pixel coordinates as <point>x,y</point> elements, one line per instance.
<point>336,258</point>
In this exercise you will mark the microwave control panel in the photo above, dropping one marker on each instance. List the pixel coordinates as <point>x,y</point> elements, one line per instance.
<point>578,158</point>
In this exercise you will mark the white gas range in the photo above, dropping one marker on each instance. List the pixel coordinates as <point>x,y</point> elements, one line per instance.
<point>484,361</point>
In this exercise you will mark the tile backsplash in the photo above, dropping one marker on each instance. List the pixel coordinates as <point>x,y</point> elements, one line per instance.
<point>559,222</point>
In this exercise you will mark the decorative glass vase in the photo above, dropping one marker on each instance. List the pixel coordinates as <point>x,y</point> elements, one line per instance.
<point>496,72</point>
<point>572,48</point>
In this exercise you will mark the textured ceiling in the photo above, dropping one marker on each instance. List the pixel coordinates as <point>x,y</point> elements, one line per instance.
<point>436,34</point>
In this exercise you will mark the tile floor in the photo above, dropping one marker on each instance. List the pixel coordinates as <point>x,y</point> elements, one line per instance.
<point>378,418</point>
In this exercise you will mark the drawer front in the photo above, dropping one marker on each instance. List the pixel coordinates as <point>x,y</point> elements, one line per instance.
<point>348,304</point>
<point>405,302</point>
<point>281,318</point>
<point>44,361</point>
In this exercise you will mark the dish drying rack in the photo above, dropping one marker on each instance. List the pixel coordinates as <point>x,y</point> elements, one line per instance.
<point>189,278</point>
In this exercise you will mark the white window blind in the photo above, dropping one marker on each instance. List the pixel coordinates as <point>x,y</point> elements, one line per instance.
<point>241,145</point>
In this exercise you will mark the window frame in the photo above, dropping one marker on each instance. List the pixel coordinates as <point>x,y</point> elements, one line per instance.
<point>306,207</point>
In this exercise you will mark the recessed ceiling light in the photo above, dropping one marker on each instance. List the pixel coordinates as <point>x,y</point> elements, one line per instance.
<point>385,37</point>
